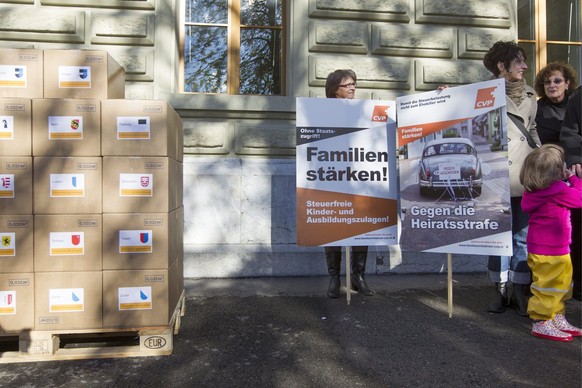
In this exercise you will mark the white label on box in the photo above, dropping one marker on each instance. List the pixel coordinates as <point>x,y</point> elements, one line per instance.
<point>133,128</point>
<point>13,76</point>
<point>7,302</point>
<point>6,185</point>
<point>6,127</point>
<point>136,241</point>
<point>8,244</point>
<point>65,127</point>
<point>62,300</point>
<point>67,185</point>
<point>66,243</point>
<point>74,76</point>
<point>136,185</point>
<point>135,298</point>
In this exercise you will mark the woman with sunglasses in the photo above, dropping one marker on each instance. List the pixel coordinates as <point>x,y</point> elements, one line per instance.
<point>554,84</point>
<point>342,84</point>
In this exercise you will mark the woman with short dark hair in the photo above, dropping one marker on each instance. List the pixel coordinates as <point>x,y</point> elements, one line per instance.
<point>508,60</point>
<point>342,84</point>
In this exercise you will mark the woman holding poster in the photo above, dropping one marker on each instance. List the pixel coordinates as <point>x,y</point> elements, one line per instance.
<point>342,84</point>
<point>507,60</point>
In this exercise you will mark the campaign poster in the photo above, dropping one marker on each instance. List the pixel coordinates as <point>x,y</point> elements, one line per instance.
<point>453,170</point>
<point>346,172</point>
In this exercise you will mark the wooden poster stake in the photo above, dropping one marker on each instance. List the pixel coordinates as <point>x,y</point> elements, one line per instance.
<point>348,276</point>
<point>450,283</point>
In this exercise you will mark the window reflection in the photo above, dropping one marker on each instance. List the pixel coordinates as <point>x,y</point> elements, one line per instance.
<point>563,20</point>
<point>525,18</point>
<point>261,12</point>
<point>205,60</point>
<point>260,62</point>
<point>565,53</point>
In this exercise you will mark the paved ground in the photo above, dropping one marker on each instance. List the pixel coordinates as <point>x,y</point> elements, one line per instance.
<point>285,333</point>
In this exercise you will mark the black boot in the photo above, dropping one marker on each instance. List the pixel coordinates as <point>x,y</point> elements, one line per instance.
<point>500,302</point>
<point>359,271</point>
<point>520,298</point>
<point>334,259</point>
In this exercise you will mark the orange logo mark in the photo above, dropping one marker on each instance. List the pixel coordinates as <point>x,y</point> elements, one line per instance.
<point>380,113</point>
<point>485,98</point>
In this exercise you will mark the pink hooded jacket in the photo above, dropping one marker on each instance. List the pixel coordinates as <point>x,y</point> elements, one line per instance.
<point>550,228</point>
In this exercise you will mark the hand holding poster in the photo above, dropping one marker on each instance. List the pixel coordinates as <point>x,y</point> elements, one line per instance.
<point>454,182</point>
<point>346,172</point>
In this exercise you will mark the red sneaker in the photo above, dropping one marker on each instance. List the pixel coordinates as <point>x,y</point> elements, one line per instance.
<point>547,330</point>
<point>562,324</point>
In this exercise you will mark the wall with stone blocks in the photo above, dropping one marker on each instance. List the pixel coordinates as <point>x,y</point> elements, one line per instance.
<point>131,30</point>
<point>239,179</point>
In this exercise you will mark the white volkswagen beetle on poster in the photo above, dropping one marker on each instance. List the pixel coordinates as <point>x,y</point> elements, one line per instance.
<point>450,164</point>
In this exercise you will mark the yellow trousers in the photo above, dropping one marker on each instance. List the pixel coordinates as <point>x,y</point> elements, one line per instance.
<point>551,285</point>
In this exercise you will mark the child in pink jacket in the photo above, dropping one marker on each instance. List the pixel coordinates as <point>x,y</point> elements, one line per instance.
<point>551,190</point>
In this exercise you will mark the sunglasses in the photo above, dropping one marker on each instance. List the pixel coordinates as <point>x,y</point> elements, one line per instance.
<point>557,81</point>
<point>350,85</point>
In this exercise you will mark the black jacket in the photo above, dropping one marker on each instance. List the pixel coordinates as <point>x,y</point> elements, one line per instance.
<point>549,120</point>
<point>570,136</point>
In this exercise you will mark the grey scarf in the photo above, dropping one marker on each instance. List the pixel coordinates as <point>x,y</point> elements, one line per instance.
<point>515,90</point>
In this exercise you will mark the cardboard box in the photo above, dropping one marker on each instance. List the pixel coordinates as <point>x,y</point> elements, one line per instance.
<point>16,302</point>
<point>178,220</point>
<point>141,128</point>
<point>82,74</point>
<point>180,142</point>
<point>67,185</point>
<point>16,174</point>
<point>141,184</point>
<point>177,276</point>
<point>17,248</point>
<point>21,73</point>
<point>15,127</point>
<point>65,127</point>
<point>67,243</point>
<point>140,298</point>
<point>68,300</point>
<point>142,240</point>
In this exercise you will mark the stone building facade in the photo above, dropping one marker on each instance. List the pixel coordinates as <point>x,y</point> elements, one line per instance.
<point>239,168</point>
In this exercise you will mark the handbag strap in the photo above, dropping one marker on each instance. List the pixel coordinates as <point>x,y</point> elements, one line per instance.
<point>519,124</point>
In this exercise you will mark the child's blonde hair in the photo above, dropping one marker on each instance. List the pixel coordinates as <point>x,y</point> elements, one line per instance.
<point>542,167</point>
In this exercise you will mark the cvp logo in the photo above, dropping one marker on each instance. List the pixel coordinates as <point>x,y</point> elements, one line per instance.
<point>485,98</point>
<point>155,342</point>
<point>380,113</point>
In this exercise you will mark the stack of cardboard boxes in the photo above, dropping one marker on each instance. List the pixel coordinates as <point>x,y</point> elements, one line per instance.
<point>91,211</point>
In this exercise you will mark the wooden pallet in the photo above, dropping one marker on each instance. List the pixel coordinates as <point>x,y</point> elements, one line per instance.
<point>35,346</point>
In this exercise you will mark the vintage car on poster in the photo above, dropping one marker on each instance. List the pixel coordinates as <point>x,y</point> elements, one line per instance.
<point>450,164</point>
